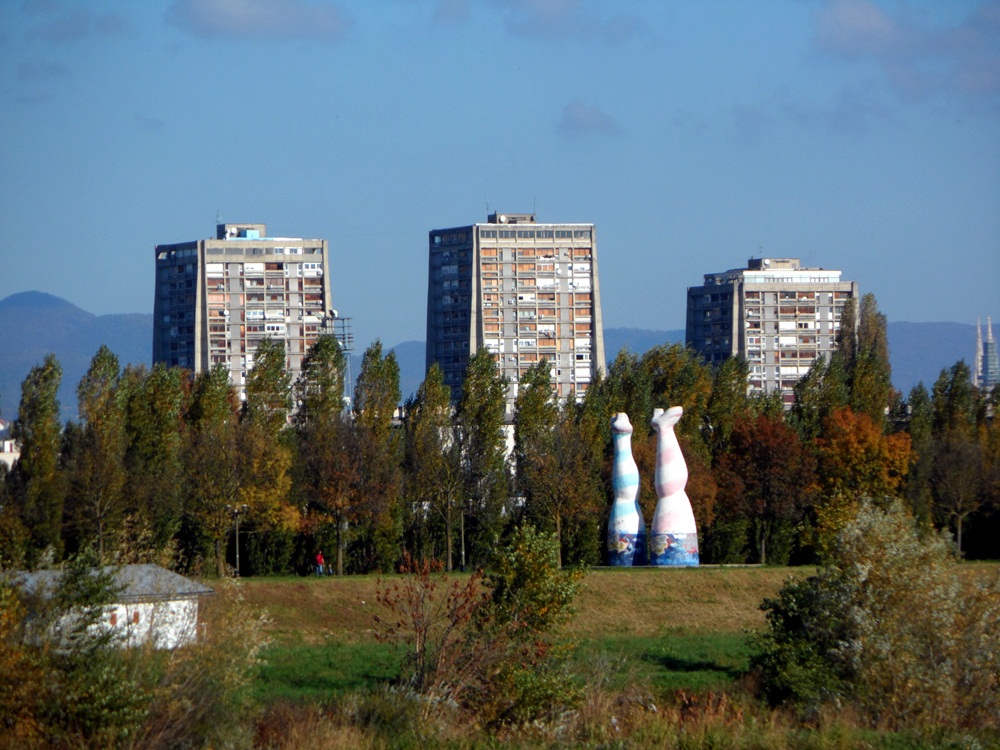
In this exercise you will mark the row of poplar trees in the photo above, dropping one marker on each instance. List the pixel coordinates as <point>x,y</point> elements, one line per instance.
<point>164,467</point>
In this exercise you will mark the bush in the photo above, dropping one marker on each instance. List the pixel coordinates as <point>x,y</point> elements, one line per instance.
<point>888,627</point>
<point>64,682</point>
<point>487,645</point>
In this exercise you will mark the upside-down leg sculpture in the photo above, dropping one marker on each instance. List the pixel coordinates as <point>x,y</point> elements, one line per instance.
<point>673,534</point>
<point>623,526</point>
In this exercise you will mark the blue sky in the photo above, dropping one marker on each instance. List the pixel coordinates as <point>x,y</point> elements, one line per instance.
<point>862,135</point>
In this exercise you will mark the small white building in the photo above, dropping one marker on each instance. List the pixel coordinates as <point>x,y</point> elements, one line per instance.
<point>9,449</point>
<point>155,605</point>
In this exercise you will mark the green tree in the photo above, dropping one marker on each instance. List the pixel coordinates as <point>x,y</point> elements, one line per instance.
<point>870,373</point>
<point>956,403</point>
<point>319,390</point>
<point>268,388</point>
<point>958,479</point>
<point>727,403</point>
<point>264,453</point>
<point>38,480</point>
<point>327,470</point>
<point>98,477</point>
<point>482,438</point>
<point>919,421</point>
<point>558,457</point>
<point>535,412</point>
<point>678,377</point>
<point>818,394</point>
<point>433,478</point>
<point>212,461</point>
<point>376,398</point>
<point>155,404</point>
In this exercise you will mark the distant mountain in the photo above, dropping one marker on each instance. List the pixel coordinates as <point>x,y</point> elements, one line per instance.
<point>638,340</point>
<point>919,351</point>
<point>35,324</point>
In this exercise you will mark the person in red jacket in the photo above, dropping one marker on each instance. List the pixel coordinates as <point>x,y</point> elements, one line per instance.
<point>320,563</point>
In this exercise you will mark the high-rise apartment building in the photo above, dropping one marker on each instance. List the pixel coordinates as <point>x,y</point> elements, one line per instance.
<point>774,313</point>
<point>521,289</point>
<point>216,299</point>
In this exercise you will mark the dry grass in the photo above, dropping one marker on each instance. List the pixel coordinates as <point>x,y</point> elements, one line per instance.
<point>613,602</point>
<point>629,602</point>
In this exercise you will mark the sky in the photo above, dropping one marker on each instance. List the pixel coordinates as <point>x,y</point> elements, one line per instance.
<point>861,135</point>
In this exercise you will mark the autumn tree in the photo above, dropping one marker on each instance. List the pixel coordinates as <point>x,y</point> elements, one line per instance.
<point>776,479</point>
<point>38,482</point>
<point>856,459</point>
<point>264,450</point>
<point>482,437</point>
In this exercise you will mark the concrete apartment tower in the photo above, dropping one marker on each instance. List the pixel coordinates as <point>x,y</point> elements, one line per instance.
<point>774,313</point>
<point>216,299</point>
<point>521,289</point>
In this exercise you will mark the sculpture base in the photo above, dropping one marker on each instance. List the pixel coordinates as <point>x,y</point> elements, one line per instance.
<point>676,549</point>
<point>621,550</point>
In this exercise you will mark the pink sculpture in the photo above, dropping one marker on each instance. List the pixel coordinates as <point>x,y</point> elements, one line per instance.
<point>673,535</point>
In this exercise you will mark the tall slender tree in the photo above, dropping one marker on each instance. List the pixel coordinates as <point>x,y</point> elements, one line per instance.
<point>481,434</point>
<point>38,480</point>
<point>433,478</point>
<point>156,402</point>
<point>212,461</point>
<point>376,398</point>
<point>98,477</point>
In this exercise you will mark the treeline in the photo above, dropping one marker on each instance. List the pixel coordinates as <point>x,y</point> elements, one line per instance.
<point>162,466</point>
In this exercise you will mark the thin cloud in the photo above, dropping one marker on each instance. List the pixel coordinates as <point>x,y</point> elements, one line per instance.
<point>915,60</point>
<point>76,24</point>
<point>145,122</point>
<point>40,71</point>
<point>259,19</point>
<point>566,19</point>
<point>583,119</point>
<point>452,12</point>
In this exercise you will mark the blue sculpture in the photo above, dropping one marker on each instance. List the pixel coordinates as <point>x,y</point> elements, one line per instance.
<point>625,521</point>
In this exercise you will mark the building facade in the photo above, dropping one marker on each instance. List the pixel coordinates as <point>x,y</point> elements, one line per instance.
<point>217,299</point>
<point>523,290</point>
<point>779,316</point>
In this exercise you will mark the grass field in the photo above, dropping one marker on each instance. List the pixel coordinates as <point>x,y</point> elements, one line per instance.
<point>665,628</point>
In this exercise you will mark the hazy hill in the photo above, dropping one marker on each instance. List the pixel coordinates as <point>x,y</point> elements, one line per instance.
<point>35,324</point>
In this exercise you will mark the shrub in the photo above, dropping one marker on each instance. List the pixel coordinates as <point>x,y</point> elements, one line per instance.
<point>886,626</point>
<point>488,645</point>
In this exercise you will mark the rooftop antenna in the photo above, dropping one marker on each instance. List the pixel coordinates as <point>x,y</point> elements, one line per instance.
<point>218,216</point>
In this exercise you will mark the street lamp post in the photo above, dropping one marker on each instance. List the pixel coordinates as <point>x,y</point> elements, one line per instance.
<point>236,511</point>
